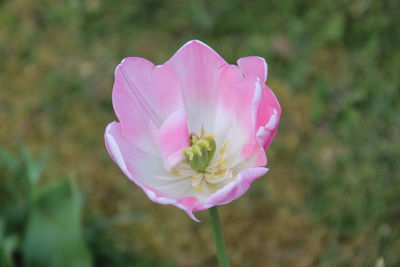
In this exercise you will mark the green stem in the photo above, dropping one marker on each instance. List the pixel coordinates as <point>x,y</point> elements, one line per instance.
<point>218,237</point>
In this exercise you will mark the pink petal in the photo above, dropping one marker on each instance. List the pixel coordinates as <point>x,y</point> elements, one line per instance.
<point>131,159</point>
<point>143,168</point>
<point>143,96</point>
<point>239,101</point>
<point>166,90</point>
<point>173,138</point>
<point>198,68</point>
<point>235,189</point>
<point>236,94</point>
<point>127,156</point>
<point>265,107</point>
<point>254,67</point>
<point>188,204</point>
<point>131,99</point>
<point>268,115</point>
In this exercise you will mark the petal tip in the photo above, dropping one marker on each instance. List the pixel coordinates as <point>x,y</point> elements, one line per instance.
<point>196,44</point>
<point>254,65</point>
<point>188,204</point>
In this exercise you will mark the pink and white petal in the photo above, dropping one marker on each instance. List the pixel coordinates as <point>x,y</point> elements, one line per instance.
<point>268,116</point>
<point>237,112</point>
<point>173,139</point>
<point>130,105</point>
<point>141,167</point>
<point>229,99</point>
<point>252,155</point>
<point>188,204</point>
<point>144,95</point>
<point>235,94</point>
<point>132,160</point>
<point>198,68</point>
<point>126,156</point>
<point>156,88</point>
<point>110,138</point>
<point>132,76</point>
<point>254,67</point>
<point>235,189</point>
<point>166,90</point>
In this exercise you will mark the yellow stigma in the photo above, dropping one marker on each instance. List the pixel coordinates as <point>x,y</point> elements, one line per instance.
<point>200,152</point>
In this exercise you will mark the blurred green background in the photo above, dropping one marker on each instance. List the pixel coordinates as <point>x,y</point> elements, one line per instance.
<point>331,198</point>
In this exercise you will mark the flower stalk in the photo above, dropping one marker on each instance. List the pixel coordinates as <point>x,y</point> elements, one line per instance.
<point>218,237</point>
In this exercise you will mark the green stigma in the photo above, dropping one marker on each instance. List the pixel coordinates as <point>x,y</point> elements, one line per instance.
<point>200,152</point>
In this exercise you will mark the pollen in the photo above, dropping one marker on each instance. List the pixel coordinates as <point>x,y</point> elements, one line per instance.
<point>208,170</point>
<point>200,152</point>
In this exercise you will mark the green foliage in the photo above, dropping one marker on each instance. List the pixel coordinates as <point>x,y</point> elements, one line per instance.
<point>53,231</point>
<point>41,225</point>
<point>8,245</point>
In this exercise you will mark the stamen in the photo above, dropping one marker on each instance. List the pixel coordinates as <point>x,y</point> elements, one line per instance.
<point>200,152</point>
<point>212,187</point>
<point>198,157</point>
<point>223,148</point>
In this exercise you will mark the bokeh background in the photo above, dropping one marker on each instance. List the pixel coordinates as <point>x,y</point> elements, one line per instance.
<point>331,198</point>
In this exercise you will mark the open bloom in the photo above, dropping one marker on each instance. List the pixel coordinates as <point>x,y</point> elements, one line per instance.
<point>192,132</point>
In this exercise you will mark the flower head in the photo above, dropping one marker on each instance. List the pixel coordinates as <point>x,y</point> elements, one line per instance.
<point>192,132</point>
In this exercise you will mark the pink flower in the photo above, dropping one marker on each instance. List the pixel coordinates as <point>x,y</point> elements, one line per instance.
<point>192,132</point>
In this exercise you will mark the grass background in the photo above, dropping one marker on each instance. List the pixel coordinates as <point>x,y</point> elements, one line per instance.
<point>332,196</point>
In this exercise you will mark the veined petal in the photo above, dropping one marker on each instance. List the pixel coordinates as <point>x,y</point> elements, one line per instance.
<point>144,95</point>
<point>132,77</point>
<point>143,168</point>
<point>198,68</point>
<point>131,161</point>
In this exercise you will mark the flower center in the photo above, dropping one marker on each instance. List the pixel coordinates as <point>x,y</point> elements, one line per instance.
<point>200,152</point>
<point>206,170</point>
